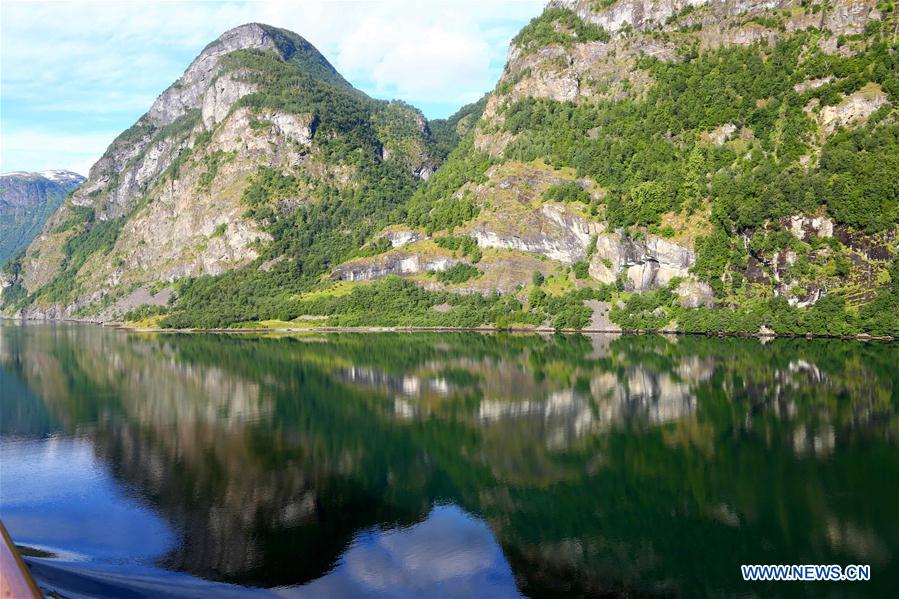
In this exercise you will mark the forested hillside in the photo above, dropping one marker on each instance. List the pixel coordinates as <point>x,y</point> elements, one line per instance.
<point>261,158</point>
<point>720,167</point>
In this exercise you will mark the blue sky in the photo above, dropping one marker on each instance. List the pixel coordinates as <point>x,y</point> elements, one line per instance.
<point>75,74</point>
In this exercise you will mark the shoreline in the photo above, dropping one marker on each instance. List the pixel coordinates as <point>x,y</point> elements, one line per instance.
<point>484,329</point>
<point>518,330</point>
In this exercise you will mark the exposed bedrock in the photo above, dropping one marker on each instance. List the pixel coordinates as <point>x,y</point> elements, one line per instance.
<point>394,263</point>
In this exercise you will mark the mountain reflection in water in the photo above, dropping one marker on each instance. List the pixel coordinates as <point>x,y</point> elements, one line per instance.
<point>443,464</point>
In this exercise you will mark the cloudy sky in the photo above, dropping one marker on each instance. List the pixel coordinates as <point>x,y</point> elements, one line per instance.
<point>75,74</point>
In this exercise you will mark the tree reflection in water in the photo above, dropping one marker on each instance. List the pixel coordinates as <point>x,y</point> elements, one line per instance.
<point>601,464</point>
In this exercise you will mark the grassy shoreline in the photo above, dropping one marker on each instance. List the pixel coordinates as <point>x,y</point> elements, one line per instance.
<point>412,329</point>
<point>544,330</point>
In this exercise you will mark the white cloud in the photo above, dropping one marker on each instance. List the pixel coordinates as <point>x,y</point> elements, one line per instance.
<point>448,554</point>
<point>421,52</point>
<point>432,64</point>
<point>36,150</point>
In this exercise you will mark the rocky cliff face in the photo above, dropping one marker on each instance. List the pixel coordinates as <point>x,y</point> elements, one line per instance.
<point>730,154</point>
<point>139,155</point>
<point>599,94</point>
<point>394,263</point>
<point>26,202</point>
<point>649,263</point>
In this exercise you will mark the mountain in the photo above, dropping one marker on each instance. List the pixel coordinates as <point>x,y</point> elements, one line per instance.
<point>26,201</point>
<point>703,166</point>
<point>185,192</point>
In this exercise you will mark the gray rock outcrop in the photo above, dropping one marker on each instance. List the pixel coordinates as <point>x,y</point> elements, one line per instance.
<point>552,231</point>
<point>205,92</point>
<point>648,264</point>
<point>188,92</point>
<point>7,280</point>
<point>221,95</point>
<point>854,109</point>
<point>399,263</point>
<point>399,236</point>
<point>694,294</point>
<point>804,226</point>
<point>298,128</point>
<point>722,134</point>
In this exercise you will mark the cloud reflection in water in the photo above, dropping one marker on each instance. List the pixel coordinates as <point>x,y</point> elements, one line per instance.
<point>449,554</point>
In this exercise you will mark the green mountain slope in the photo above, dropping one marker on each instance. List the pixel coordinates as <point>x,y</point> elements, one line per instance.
<point>723,166</point>
<point>26,201</point>
<point>261,154</point>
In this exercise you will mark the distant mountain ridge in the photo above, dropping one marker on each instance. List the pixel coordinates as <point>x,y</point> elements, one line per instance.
<point>26,201</point>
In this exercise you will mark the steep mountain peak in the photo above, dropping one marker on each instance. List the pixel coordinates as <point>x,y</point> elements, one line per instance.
<point>248,35</point>
<point>242,61</point>
<point>258,36</point>
<point>187,92</point>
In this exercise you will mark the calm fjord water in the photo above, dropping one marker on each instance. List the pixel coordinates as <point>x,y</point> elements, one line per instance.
<point>444,464</point>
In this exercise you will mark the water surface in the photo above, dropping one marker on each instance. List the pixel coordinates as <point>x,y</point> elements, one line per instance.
<point>444,464</point>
